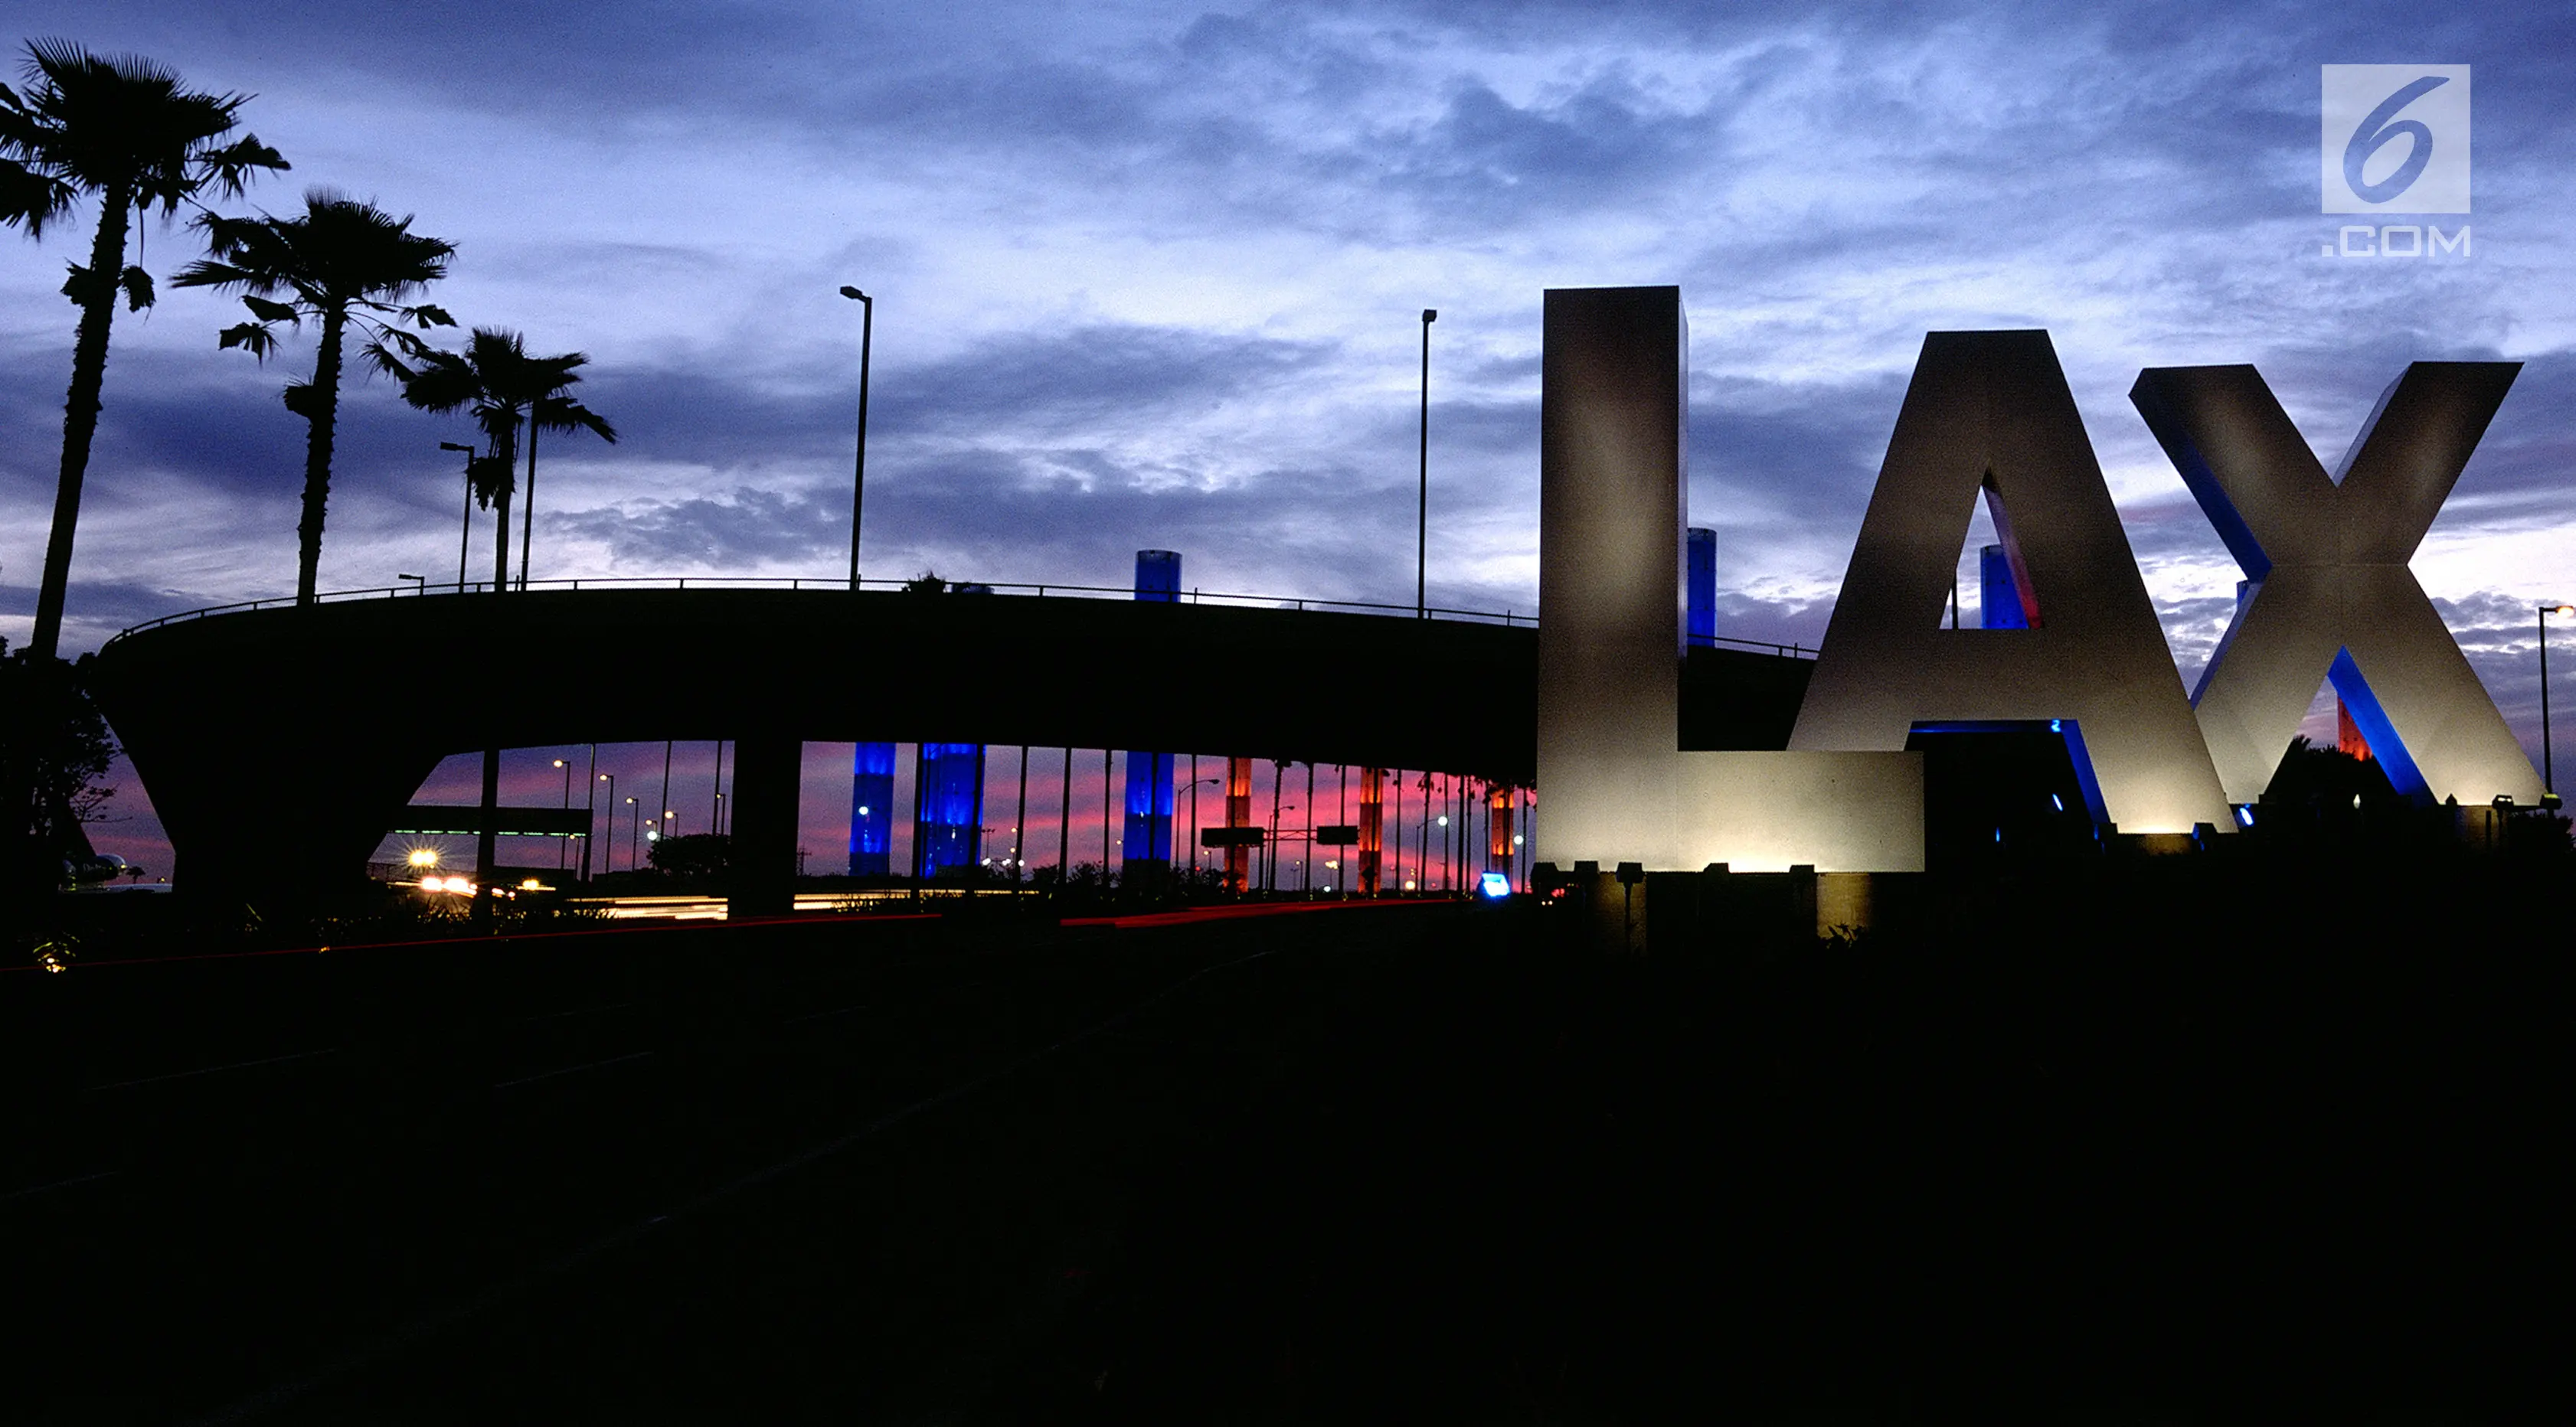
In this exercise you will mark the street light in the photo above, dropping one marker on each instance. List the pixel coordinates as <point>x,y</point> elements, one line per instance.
<point>422,579</point>
<point>465,534</point>
<point>859,473</point>
<point>1422,514</point>
<point>2548,783</point>
<point>634,838</point>
<point>609,862</point>
<point>1196,783</point>
<point>1272,878</point>
<point>563,851</point>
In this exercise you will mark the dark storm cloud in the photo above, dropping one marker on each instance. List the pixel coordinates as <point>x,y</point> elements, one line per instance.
<point>1110,377</point>
<point>1102,375</point>
<point>1488,156</point>
<point>1810,450</point>
<point>981,509</point>
<point>218,426</point>
<point>747,529</point>
<point>110,604</point>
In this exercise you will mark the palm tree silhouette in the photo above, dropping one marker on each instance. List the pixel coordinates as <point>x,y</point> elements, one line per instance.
<point>341,262</point>
<point>553,413</point>
<point>118,128</point>
<point>505,388</point>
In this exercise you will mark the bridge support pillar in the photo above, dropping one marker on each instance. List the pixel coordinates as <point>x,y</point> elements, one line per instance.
<point>766,779</point>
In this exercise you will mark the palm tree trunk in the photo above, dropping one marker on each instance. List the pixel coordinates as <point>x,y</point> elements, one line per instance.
<point>325,418</point>
<point>97,300</point>
<point>528,511</point>
<point>486,854</point>
<point>501,511</point>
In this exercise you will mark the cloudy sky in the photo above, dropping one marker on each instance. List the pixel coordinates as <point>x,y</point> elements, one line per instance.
<point>1149,275</point>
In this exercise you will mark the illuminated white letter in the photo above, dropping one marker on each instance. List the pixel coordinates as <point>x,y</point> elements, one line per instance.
<point>1991,410</point>
<point>2332,596</point>
<point>1612,784</point>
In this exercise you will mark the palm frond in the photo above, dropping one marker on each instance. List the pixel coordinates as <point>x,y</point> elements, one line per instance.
<point>250,337</point>
<point>382,359</point>
<point>84,287</point>
<point>206,272</point>
<point>557,413</point>
<point>229,168</point>
<point>491,478</point>
<point>29,199</point>
<point>443,382</point>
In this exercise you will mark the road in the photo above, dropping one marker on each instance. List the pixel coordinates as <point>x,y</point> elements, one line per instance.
<point>1411,1165</point>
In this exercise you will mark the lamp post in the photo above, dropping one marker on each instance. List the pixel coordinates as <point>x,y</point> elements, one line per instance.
<point>608,863</point>
<point>1020,827</point>
<point>465,534</point>
<point>859,473</point>
<point>2548,780</point>
<point>1196,783</point>
<point>715,816</point>
<point>421,580</point>
<point>1064,830</point>
<point>1422,511</point>
<point>1272,878</point>
<point>563,850</point>
<point>634,837</point>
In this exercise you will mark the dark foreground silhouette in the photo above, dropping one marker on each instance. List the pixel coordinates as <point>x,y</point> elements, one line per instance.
<point>2179,1143</point>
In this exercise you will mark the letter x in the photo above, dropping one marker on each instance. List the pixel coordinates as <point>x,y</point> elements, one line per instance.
<point>2330,594</point>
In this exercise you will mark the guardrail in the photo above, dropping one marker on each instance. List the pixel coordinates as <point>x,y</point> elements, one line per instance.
<point>969,588</point>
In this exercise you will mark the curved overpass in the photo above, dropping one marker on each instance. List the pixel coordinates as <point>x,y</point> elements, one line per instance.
<point>283,742</point>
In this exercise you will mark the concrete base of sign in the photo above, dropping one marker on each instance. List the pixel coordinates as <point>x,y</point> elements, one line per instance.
<point>1759,812</point>
<point>1769,812</point>
<point>1743,918</point>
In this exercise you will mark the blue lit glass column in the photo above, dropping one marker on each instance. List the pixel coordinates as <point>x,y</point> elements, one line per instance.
<point>948,824</point>
<point>1702,605</point>
<point>1148,834</point>
<point>1147,839</point>
<point>872,810</point>
<point>1999,598</point>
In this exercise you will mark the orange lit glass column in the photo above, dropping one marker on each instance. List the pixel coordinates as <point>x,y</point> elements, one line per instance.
<point>1238,813</point>
<point>1372,827</point>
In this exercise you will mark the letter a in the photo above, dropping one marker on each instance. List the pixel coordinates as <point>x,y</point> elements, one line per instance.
<point>1992,410</point>
<point>2331,594</point>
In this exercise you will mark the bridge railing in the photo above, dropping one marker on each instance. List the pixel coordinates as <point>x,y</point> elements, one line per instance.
<point>425,589</point>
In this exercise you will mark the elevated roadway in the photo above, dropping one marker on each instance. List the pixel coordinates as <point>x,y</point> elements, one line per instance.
<point>278,745</point>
